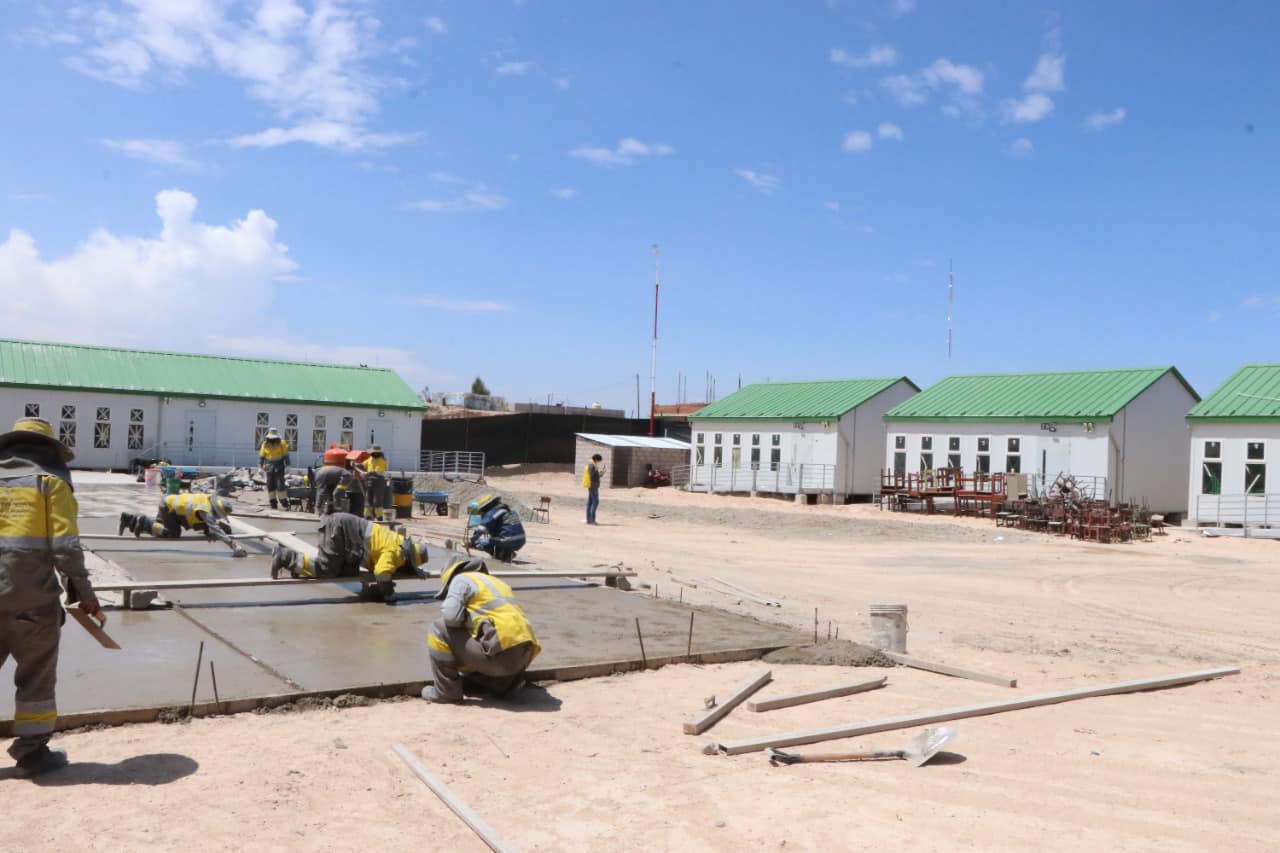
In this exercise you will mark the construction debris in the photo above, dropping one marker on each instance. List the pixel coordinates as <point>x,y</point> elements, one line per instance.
<point>817,695</point>
<point>709,717</point>
<point>944,669</point>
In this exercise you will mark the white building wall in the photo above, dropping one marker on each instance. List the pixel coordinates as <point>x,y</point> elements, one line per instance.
<point>862,431</point>
<point>1154,441</point>
<point>220,432</point>
<point>814,444</point>
<point>1230,507</point>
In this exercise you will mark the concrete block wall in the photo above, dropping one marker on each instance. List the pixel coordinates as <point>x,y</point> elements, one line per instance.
<point>660,457</point>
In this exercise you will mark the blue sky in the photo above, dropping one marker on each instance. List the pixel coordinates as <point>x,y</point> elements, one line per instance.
<point>468,188</point>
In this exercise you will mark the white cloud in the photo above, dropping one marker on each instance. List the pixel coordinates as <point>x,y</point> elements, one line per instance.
<point>477,198</point>
<point>889,130</point>
<point>309,66</point>
<point>833,206</point>
<point>514,69</point>
<point>408,364</point>
<point>1022,147</point>
<point>166,152</point>
<point>1214,316</point>
<point>564,193</point>
<point>1263,303</point>
<point>1101,121</point>
<point>1047,75</point>
<point>765,183</point>
<point>902,7</point>
<point>28,197</point>
<point>1029,108</point>
<point>103,290</point>
<point>942,75</point>
<point>873,58</point>
<point>857,141</point>
<point>462,305</point>
<point>435,25</point>
<point>626,152</point>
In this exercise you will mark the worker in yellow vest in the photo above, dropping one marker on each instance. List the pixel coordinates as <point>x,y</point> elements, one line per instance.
<point>205,514</point>
<point>273,460</point>
<point>349,543</point>
<point>39,540</point>
<point>375,482</point>
<point>482,637</point>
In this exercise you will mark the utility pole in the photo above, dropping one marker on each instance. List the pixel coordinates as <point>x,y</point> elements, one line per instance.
<point>653,370</point>
<point>951,301</point>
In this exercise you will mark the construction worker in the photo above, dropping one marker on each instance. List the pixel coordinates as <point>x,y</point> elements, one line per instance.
<point>202,513</point>
<point>273,459</point>
<point>334,483</point>
<point>500,532</point>
<point>349,543</point>
<point>482,630</point>
<point>39,540</point>
<point>591,473</point>
<point>375,482</point>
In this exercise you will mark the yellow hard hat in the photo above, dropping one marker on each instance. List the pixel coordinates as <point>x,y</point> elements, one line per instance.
<point>456,568</point>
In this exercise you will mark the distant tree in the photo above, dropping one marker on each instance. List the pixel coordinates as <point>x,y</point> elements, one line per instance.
<point>478,387</point>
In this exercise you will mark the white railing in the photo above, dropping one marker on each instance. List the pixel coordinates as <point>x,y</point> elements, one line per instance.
<point>1241,509</point>
<point>680,476</point>
<point>463,464</point>
<point>787,478</point>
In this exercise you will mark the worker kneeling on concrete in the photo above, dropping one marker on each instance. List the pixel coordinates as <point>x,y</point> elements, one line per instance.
<point>481,637</point>
<point>499,532</point>
<point>205,514</point>
<point>349,543</point>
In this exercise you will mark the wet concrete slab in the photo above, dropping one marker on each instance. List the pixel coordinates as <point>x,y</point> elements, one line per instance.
<point>320,637</point>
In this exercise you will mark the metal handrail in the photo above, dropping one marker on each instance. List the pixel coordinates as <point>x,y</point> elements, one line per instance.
<point>466,464</point>
<point>787,478</point>
<point>1240,509</point>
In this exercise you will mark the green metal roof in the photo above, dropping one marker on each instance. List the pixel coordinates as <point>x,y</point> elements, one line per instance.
<point>1086,394</point>
<point>1252,393</point>
<point>796,401</point>
<point>89,368</point>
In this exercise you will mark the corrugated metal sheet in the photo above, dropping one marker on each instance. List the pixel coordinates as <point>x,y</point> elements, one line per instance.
<point>88,368</point>
<point>1252,392</point>
<point>796,401</point>
<point>1087,394</point>
<point>634,441</point>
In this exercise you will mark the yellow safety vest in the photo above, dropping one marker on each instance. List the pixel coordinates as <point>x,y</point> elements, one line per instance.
<point>37,531</point>
<point>586,475</point>
<point>495,602</point>
<point>273,450</point>
<point>386,551</point>
<point>188,506</point>
<point>376,465</point>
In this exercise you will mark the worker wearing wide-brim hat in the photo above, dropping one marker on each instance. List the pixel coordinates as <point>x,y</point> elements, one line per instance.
<point>375,481</point>
<point>39,540</point>
<point>273,459</point>
<point>481,636</point>
<point>349,543</point>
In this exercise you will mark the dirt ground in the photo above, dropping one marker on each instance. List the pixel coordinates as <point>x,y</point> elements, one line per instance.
<point>602,764</point>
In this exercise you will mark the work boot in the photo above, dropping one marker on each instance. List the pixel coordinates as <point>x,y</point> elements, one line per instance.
<point>273,504</point>
<point>126,523</point>
<point>432,695</point>
<point>42,760</point>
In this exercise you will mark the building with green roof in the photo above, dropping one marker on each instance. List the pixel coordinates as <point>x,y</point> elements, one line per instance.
<point>800,438</point>
<point>114,406</point>
<point>1122,429</point>
<point>1235,434</point>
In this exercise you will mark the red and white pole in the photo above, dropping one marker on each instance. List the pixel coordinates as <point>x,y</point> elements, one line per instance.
<point>653,369</point>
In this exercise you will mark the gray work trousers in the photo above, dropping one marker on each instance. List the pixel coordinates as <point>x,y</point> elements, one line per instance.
<point>494,671</point>
<point>31,637</point>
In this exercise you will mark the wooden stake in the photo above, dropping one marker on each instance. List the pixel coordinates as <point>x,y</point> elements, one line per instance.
<point>817,695</point>
<point>213,675</point>
<point>815,626</point>
<point>455,804</point>
<point>689,651</point>
<point>643,660</point>
<point>191,709</point>
<point>944,669</point>
<point>928,719</point>
<point>709,717</point>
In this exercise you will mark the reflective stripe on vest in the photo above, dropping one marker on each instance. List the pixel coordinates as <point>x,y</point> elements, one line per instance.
<point>495,602</point>
<point>188,506</point>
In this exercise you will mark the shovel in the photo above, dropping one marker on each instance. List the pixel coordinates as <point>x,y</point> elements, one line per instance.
<point>918,751</point>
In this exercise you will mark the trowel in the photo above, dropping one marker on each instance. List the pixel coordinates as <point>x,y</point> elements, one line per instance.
<point>918,751</point>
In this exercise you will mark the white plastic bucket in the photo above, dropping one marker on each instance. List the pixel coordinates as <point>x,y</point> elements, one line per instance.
<point>889,627</point>
<point>151,478</point>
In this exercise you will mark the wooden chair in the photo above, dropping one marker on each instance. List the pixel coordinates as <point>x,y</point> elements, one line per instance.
<point>541,512</point>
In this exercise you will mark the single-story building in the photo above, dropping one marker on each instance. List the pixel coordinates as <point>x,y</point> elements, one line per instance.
<point>1123,430</point>
<point>1234,432</point>
<point>114,406</point>
<point>799,438</point>
<point>626,458</point>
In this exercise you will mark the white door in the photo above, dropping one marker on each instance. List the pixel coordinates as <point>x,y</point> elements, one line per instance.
<point>377,431</point>
<point>198,431</point>
<point>1055,459</point>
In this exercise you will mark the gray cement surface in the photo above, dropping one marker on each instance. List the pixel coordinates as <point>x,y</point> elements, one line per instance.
<point>267,641</point>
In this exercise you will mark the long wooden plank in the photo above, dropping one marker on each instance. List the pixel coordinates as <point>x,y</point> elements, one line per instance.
<point>363,577</point>
<point>193,538</point>
<point>709,717</point>
<point>455,803</point>
<point>817,695</point>
<point>944,669</point>
<point>912,720</point>
<point>284,538</point>
<point>754,596</point>
<point>712,585</point>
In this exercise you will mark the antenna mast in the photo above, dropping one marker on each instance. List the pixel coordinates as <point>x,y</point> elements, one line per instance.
<point>653,370</point>
<point>951,301</point>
